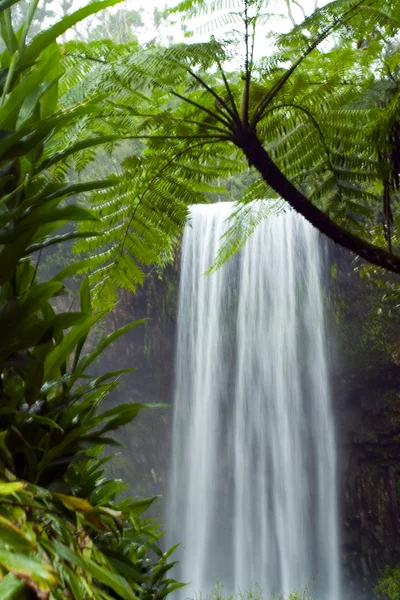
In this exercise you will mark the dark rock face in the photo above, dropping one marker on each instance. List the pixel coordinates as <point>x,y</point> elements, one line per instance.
<point>366,402</point>
<point>369,447</point>
<point>149,348</point>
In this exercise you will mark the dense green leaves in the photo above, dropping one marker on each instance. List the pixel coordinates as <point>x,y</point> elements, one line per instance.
<point>63,531</point>
<point>317,118</point>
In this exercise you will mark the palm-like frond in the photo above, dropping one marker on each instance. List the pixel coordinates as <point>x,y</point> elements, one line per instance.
<point>317,124</point>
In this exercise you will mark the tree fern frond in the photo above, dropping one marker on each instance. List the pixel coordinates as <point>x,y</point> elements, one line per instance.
<point>246,217</point>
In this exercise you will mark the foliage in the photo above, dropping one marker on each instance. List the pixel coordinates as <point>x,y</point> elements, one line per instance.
<point>58,545</point>
<point>63,533</point>
<point>254,593</point>
<point>317,118</point>
<point>128,229</point>
<point>389,584</point>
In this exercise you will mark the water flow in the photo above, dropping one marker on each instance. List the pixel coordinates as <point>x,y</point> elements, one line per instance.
<point>253,486</point>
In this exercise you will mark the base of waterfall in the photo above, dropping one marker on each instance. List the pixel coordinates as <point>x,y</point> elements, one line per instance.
<point>218,592</point>
<point>252,490</point>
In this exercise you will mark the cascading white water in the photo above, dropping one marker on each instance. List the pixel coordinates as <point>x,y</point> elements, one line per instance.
<point>253,486</point>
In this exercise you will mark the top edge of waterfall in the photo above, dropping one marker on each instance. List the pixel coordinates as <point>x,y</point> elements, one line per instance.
<point>230,205</point>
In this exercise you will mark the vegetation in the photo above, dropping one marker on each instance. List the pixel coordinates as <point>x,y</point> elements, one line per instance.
<point>288,115</point>
<point>63,532</point>
<point>254,593</point>
<point>389,584</point>
<point>314,125</point>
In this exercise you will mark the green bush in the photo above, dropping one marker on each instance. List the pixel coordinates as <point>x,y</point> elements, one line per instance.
<point>63,531</point>
<point>389,584</point>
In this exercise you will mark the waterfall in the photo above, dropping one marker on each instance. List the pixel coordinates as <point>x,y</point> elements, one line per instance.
<point>252,494</point>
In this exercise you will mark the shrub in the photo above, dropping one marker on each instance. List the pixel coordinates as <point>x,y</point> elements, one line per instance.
<point>63,532</point>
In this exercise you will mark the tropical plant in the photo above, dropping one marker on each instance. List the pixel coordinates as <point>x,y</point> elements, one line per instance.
<point>388,585</point>
<point>63,532</point>
<point>317,119</point>
<point>61,528</point>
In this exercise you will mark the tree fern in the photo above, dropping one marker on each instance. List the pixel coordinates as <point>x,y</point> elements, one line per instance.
<point>308,128</point>
<point>315,124</point>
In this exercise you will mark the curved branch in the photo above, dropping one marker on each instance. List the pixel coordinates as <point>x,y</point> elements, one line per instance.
<point>273,176</point>
<point>317,127</point>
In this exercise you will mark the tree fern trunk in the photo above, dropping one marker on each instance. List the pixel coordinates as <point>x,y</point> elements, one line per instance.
<point>259,157</point>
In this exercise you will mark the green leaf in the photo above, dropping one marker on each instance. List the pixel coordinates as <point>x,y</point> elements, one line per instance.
<point>89,358</point>
<point>58,239</point>
<point>27,566</point>
<point>84,294</point>
<point>79,266</point>
<point>49,100</point>
<point>4,4</point>
<point>136,508</point>
<point>64,191</point>
<point>9,111</point>
<point>11,255</point>
<point>86,306</point>
<point>120,415</point>
<point>12,588</point>
<point>17,316</point>
<point>50,215</point>
<point>11,488</point>
<point>74,503</point>
<point>61,353</point>
<point>12,538</point>
<point>116,582</point>
<point>39,419</point>
<point>7,33</point>
<point>78,147</point>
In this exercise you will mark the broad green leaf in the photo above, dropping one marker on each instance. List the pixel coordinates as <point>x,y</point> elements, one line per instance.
<point>30,135</point>
<point>116,582</point>
<point>7,32</point>
<point>64,191</point>
<point>12,538</point>
<point>84,295</point>
<point>49,100</point>
<point>39,419</point>
<point>120,415</point>
<point>58,239</point>
<point>11,487</point>
<point>170,551</point>
<point>10,256</point>
<point>86,306</point>
<point>27,566</point>
<point>12,588</point>
<point>124,566</point>
<point>138,507</point>
<point>13,320</point>
<point>74,503</point>
<point>17,96</point>
<point>6,4</point>
<point>47,214</point>
<point>61,353</point>
<point>83,145</point>
<point>31,105</point>
<point>79,266</point>
<point>89,358</point>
